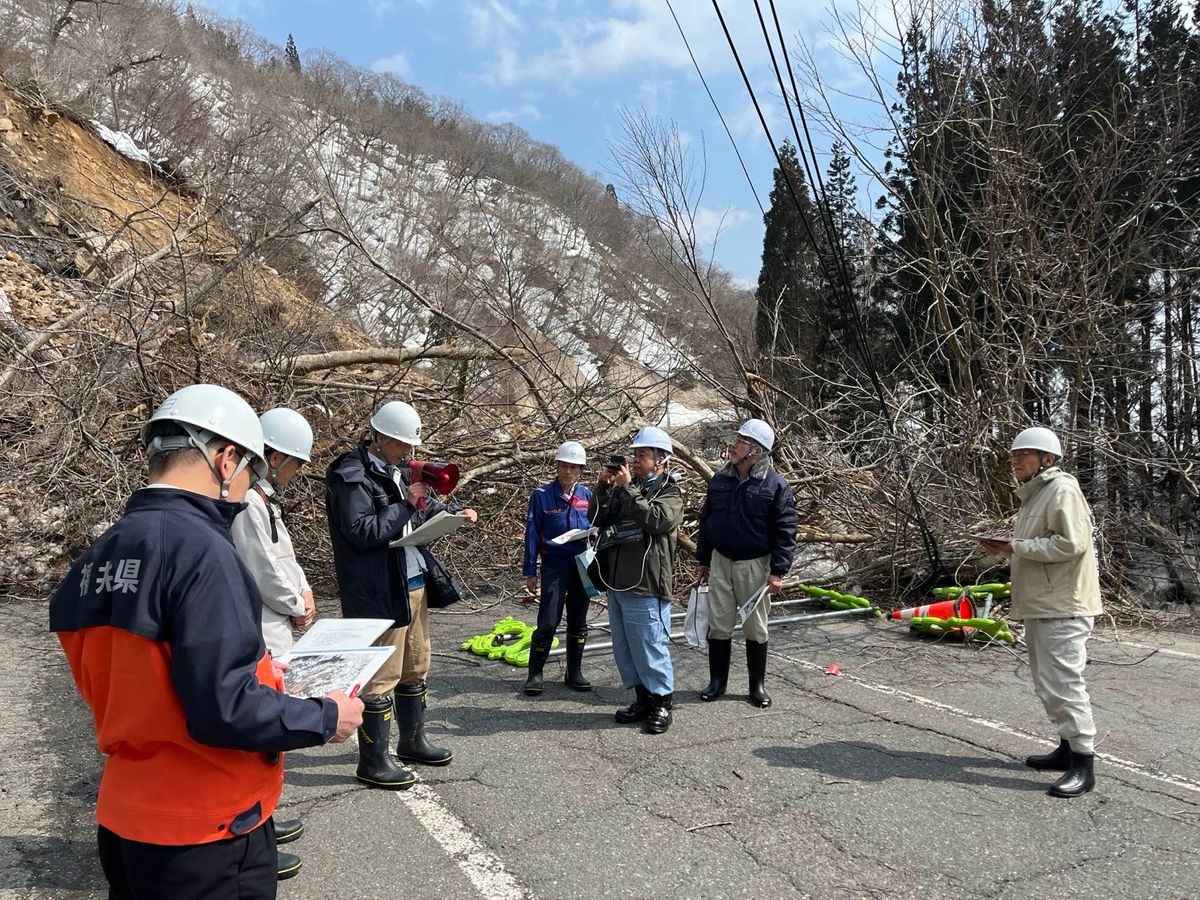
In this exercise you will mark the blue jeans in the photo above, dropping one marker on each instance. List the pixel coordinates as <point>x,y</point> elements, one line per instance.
<point>641,628</point>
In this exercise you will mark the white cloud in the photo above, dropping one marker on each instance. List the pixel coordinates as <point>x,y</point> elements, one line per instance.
<point>525,111</point>
<point>397,64</point>
<point>710,222</point>
<point>633,35</point>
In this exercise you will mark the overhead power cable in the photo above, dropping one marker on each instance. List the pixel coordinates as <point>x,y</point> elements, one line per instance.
<point>840,284</point>
<point>713,99</point>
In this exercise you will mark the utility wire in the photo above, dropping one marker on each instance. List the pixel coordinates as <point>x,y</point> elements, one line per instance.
<point>704,82</point>
<point>845,295</point>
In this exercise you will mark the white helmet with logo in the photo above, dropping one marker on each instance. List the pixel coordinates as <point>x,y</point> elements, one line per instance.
<point>652,437</point>
<point>288,432</point>
<point>759,432</point>
<point>206,412</point>
<point>400,421</point>
<point>1038,438</point>
<point>571,452</point>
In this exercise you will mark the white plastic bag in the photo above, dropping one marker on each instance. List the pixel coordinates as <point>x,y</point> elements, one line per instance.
<point>695,624</point>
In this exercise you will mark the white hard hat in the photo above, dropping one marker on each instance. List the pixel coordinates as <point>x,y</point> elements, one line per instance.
<point>205,412</point>
<point>288,432</point>
<point>400,421</point>
<point>759,432</point>
<point>211,411</point>
<point>652,437</point>
<point>1038,439</point>
<point>571,452</point>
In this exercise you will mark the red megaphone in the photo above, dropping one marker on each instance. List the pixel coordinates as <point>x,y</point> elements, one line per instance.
<point>442,477</point>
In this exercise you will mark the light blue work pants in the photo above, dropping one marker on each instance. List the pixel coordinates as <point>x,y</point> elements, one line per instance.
<point>641,627</point>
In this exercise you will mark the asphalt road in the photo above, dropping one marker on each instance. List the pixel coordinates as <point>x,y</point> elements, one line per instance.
<point>899,778</point>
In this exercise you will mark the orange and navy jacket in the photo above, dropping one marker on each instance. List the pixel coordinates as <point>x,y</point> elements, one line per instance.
<point>551,513</point>
<point>159,620</point>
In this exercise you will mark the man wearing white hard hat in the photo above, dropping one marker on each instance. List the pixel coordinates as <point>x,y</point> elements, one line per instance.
<point>554,509</point>
<point>1056,592</point>
<point>261,535</point>
<point>372,500</point>
<point>746,541</point>
<point>159,620</point>
<point>263,543</point>
<point>639,507</point>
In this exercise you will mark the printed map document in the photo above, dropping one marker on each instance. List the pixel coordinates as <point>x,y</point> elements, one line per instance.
<point>335,655</point>
<point>436,526</point>
<point>575,534</point>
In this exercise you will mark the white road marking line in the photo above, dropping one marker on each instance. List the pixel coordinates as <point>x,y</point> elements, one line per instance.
<point>1165,651</point>
<point>480,865</point>
<point>1177,781</point>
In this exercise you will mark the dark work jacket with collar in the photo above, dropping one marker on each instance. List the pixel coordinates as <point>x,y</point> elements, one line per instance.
<point>159,620</point>
<point>746,518</point>
<point>367,510</point>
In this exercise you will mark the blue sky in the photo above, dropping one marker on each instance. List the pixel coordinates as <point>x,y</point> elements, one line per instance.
<point>564,69</point>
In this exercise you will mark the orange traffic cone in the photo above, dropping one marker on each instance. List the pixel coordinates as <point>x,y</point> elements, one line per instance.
<point>963,608</point>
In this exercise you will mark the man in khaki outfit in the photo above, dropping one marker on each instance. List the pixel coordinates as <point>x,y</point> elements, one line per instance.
<point>1056,592</point>
<point>371,500</point>
<point>746,541</point>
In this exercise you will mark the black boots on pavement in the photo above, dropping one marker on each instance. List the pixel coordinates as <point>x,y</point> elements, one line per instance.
<point>1059,760</point>
<point>756,662</point>
<point>652,709</point>
<point>287,864</point>
<point>376,767</point>
<point>574,678</point>
<point>410,723</point>
<point>636,711</point>
<point>574,675</point>
<point>537,662</point>
<point>719,652</point>
<point>1080,778</point>
<point>659,719</point>
<point>718,668</point>
<point>1080,770</point>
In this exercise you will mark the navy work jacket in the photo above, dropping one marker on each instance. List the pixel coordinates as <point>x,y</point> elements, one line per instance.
<point>551,513</point>
<point>367,510</point>
<point>749,518</point>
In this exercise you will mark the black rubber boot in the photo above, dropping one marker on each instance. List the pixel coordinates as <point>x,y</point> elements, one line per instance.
<point>375,764</point>
<point>1080,778</point>
<point>718,668</point>
<point>288,830</point>
<point>574,678</point>
<point>659,719</point>
<point>410,722</point>
<point>636,711</point>
<point>537,662</point>
<point>1057,761</point>
<point>287,865</point>
<point>756,662</point>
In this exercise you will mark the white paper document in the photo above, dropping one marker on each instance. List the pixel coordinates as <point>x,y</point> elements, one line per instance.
<point>437,526</point>
<point>341,634</point>
<point>575,534</point>
<point>335,655</point>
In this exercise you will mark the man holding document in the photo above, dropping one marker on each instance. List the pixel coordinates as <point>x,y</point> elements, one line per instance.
<point>1056,593</point>
<point>556,510</point>
<point>746,542</point>
<point>372,501</point>
<point>160,624</point>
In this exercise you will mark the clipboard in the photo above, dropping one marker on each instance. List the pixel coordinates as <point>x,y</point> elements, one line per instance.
<point>437,526</point>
